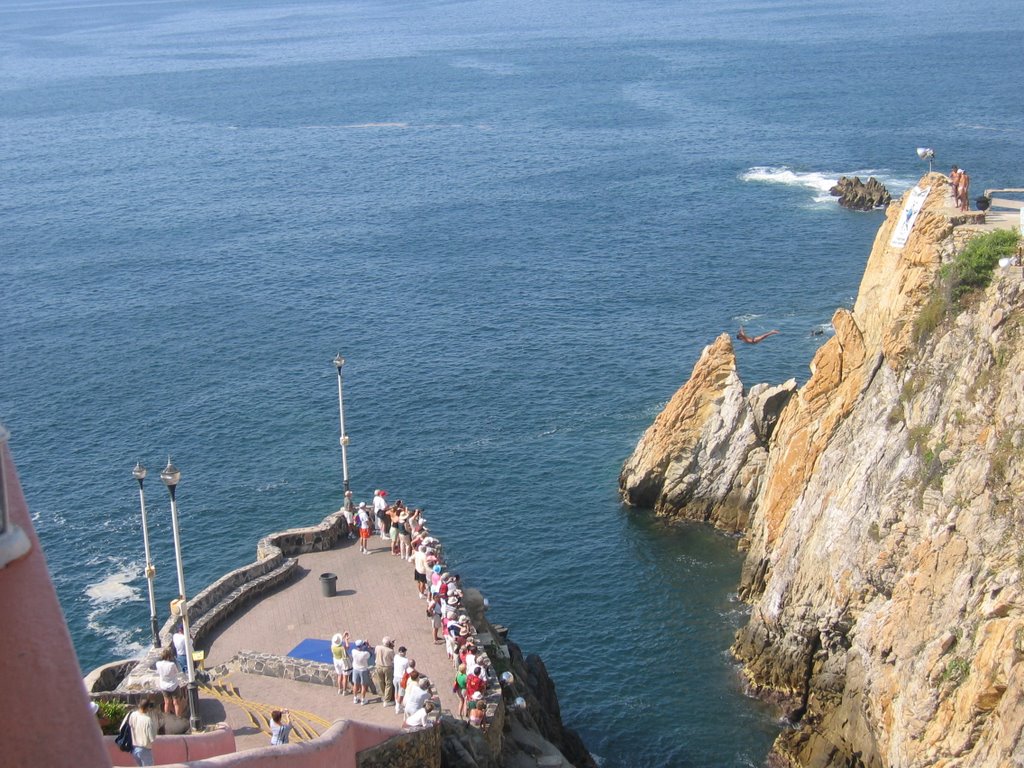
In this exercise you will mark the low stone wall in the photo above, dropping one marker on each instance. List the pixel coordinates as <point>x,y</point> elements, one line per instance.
<point>285,667</point>
<point>414,749</point>
<point>109,676</point>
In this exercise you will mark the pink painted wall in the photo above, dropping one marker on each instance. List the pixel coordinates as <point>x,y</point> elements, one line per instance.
<point>336,748</point>
<point>180,748</point>
<point>42,689</point>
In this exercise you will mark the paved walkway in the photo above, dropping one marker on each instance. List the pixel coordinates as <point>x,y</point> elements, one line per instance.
<point>376,597</point>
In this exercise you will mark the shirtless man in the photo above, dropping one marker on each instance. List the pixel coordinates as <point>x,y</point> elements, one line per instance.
<point>742,336</point>
<point>963,186</point>
<point>954,183</point>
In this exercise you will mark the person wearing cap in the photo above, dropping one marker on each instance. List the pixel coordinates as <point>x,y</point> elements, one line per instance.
<point>384,670</point>
<point>360,671</point>
<point>434,613</point>
<point>364,524</point>
<point>340,650</point>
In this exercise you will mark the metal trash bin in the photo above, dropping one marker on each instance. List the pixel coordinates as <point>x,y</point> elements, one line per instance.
<point>329,584</point>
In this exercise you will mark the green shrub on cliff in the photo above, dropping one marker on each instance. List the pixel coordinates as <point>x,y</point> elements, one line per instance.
<point>973,267</point>
<point>971,270</point>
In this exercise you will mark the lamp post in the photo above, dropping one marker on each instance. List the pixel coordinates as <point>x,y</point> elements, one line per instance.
<point>139,473</point>
<point>339,361</point>
<point>170,477</point>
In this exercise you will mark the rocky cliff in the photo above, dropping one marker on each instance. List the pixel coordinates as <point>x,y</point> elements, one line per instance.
<point>884,517</point>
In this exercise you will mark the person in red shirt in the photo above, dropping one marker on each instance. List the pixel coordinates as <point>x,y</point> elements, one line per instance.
<point>474,683</point>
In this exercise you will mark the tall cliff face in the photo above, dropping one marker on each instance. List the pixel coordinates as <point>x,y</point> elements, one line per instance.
<point>886,537</point>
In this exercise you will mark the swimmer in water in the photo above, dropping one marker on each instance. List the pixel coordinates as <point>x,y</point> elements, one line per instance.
<point>742,336</point>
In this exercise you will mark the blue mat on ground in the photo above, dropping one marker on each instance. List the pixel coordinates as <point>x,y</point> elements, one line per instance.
<point>313,650</point>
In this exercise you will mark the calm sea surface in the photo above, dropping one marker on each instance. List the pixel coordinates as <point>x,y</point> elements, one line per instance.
<point>520,222</point>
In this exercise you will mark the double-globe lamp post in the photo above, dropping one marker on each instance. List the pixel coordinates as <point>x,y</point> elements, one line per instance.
<point>170,477</point>
<point>139,473</point>
<point>339,361</point>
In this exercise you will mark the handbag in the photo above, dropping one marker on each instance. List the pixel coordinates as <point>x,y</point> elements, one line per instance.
<point>124,736</point>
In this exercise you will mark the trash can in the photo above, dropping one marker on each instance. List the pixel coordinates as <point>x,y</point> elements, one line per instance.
<point>328,584</point>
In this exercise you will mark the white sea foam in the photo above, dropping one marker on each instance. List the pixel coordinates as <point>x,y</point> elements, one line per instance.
<point>820,182</point>
<point>114,588</point>
<point>744,319</point>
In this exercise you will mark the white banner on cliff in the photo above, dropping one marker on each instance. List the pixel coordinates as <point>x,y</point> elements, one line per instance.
<point>915,199</point>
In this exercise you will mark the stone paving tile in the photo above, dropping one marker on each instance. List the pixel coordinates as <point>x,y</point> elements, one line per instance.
<point>376,596</point>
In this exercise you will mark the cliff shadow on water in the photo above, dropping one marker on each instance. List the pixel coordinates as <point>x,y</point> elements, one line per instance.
<point>879,503</point>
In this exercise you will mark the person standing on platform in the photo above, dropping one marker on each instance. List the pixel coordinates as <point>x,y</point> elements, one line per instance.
<point>360,671</point>
<point>180,649</point>
<point>340,647</point>
<point>964,189</point>
<point>143,733</point>
<point>401,664</point>
<point>170,683</point>
<point>380,504</point>
<point>384,670</point>
<point>280,726</point>
<point>364,525</point>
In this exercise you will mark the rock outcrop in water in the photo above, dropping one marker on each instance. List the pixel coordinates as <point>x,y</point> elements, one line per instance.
<point>860,196</point>
<point>886,536</point>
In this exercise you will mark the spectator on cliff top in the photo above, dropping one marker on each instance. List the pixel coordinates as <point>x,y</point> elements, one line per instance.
<point>420,718</point>
<point>384,670</point>
<point>360,671</point>
<point>963,189</point>
<point>400,665</point>
<point>364,524</point>
<point>954,185</point>
<point>340,651</point>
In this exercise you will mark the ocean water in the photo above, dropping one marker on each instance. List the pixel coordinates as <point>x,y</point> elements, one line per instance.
<point>519,222</point>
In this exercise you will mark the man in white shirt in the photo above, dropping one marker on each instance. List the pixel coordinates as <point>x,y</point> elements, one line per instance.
<point>401,664</point>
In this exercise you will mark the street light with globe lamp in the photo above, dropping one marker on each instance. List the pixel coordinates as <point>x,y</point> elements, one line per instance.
<point>139,473</point>
<point>170,477</point>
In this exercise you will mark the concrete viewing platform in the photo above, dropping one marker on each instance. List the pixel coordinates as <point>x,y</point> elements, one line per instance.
<point>376,597</point>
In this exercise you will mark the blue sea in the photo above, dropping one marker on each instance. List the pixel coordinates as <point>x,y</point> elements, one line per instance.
<point>520,222</point>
